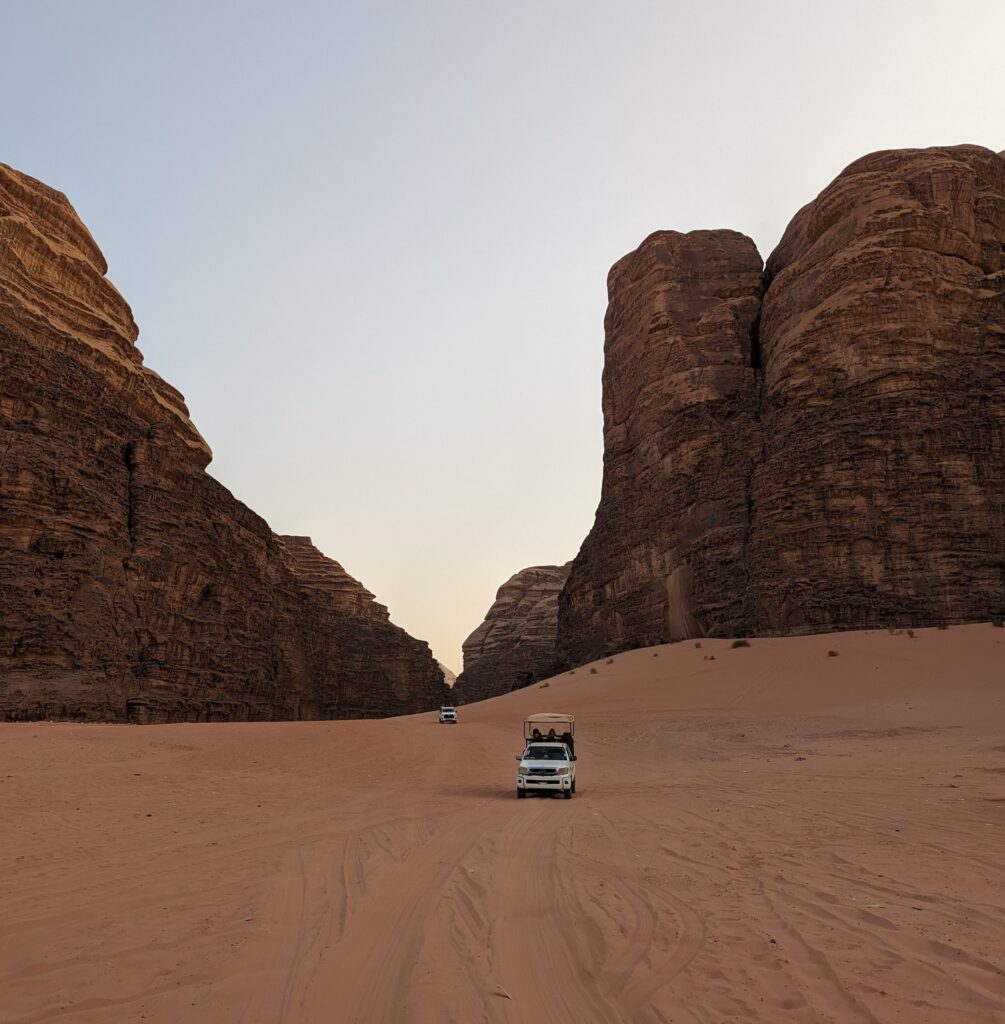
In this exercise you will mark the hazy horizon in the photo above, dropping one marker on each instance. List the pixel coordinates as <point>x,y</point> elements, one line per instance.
<point>369,242</point>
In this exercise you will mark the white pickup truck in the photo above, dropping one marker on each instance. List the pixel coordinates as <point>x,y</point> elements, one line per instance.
<point>448,715</point>
<point>548,763</point>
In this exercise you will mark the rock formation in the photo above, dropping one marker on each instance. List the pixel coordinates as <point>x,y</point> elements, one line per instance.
<point>133,586</point>
<point>516,642</point>
<point>830,458</point>
<point>449,677</point>
<point>680,404</point>
<point>880,494</point>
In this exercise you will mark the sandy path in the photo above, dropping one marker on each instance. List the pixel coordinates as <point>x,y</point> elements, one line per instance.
<point>774,835</point>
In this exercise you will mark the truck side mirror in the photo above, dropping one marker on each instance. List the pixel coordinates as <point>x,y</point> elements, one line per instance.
<point>519,757</point>
<point>573,758</point>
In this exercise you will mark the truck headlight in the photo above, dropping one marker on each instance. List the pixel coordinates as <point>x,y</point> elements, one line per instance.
<point>523,771</point>
<point>564,771</point>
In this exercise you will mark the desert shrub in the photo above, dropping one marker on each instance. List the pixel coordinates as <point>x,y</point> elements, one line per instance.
<point>910,633</point>
<point>543,685</point>
<point>593,671</point>
<point>698,644</point>
<point>740,643</point>
<point>832,654</point>
<point>656,654</point>
<point>942,625</point>
<point>610,661</point>
<point>998,622</point>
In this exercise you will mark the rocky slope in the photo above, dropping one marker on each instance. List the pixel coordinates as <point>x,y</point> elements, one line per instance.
<point>133,586</point>
<point>832,457</point>
<point>516,642</point>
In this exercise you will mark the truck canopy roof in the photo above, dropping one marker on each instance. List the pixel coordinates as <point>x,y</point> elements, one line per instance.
<point>551,718</point>
<point>561,727</point>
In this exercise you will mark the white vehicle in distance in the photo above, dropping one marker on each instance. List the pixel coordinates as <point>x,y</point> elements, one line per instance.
<point>548,763</point>
<point>448,715</point>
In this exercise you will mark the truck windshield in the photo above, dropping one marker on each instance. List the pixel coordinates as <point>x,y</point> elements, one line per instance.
<point>538,753</point>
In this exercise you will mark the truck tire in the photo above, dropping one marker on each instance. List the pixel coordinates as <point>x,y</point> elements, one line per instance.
<point>521,793</point>
<point>574,785</point>
<point>567,794</point>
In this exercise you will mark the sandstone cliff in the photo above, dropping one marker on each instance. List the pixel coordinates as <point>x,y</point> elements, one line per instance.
<point>880,494</point>
<point>666,552</point>
<point>516,642</point>
<point>133,586</point>
<point>830,458</point>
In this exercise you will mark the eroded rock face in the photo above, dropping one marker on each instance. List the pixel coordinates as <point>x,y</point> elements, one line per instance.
<point>516,642</point>
<point>133,586</point>
<point>834,460</point>
<point>54,295</point>
<point>665,557</point>
<point>880,495</point>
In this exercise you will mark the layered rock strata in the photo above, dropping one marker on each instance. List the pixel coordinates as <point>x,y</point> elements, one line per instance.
<point>516,642</point>
<point>832,457</point>
<point>133,586</point>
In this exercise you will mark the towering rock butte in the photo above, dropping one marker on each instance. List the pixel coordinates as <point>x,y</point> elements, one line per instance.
<point>880,493</point>
<point>832,457</point>
<point>516,642</point>
<point>680,436</point>
<point>133,586</point>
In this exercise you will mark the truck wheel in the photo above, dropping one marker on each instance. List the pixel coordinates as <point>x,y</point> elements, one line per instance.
<point>521,793</point>
<point>574,785</point>
<point>567,794</point>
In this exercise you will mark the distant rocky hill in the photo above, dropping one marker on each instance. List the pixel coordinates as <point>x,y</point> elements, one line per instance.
<point>516,642</point>
<point>448,677</point>
<point>814,447</point>
<point>133,586</point>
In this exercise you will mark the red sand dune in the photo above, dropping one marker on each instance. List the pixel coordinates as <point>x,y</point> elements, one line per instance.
<point>775,835</point>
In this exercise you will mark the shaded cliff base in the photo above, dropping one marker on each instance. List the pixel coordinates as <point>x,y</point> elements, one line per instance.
<point>789,836</point>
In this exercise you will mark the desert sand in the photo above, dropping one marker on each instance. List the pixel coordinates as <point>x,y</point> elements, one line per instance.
<point>772,835</point>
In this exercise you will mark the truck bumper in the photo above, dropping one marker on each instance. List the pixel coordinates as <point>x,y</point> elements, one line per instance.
<point>544,783</point>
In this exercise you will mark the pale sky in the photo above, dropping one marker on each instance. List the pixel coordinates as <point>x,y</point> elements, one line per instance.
<point>369,241</point>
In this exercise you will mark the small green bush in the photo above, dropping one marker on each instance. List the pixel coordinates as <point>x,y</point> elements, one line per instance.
<point>832,654</point>
<point>740,643</point>
<point>698,644</point>
<point>998,622</point>
<point>656,654</point>
<point>610,661</point>
<point>593,671</point>
<point>910,633</point>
